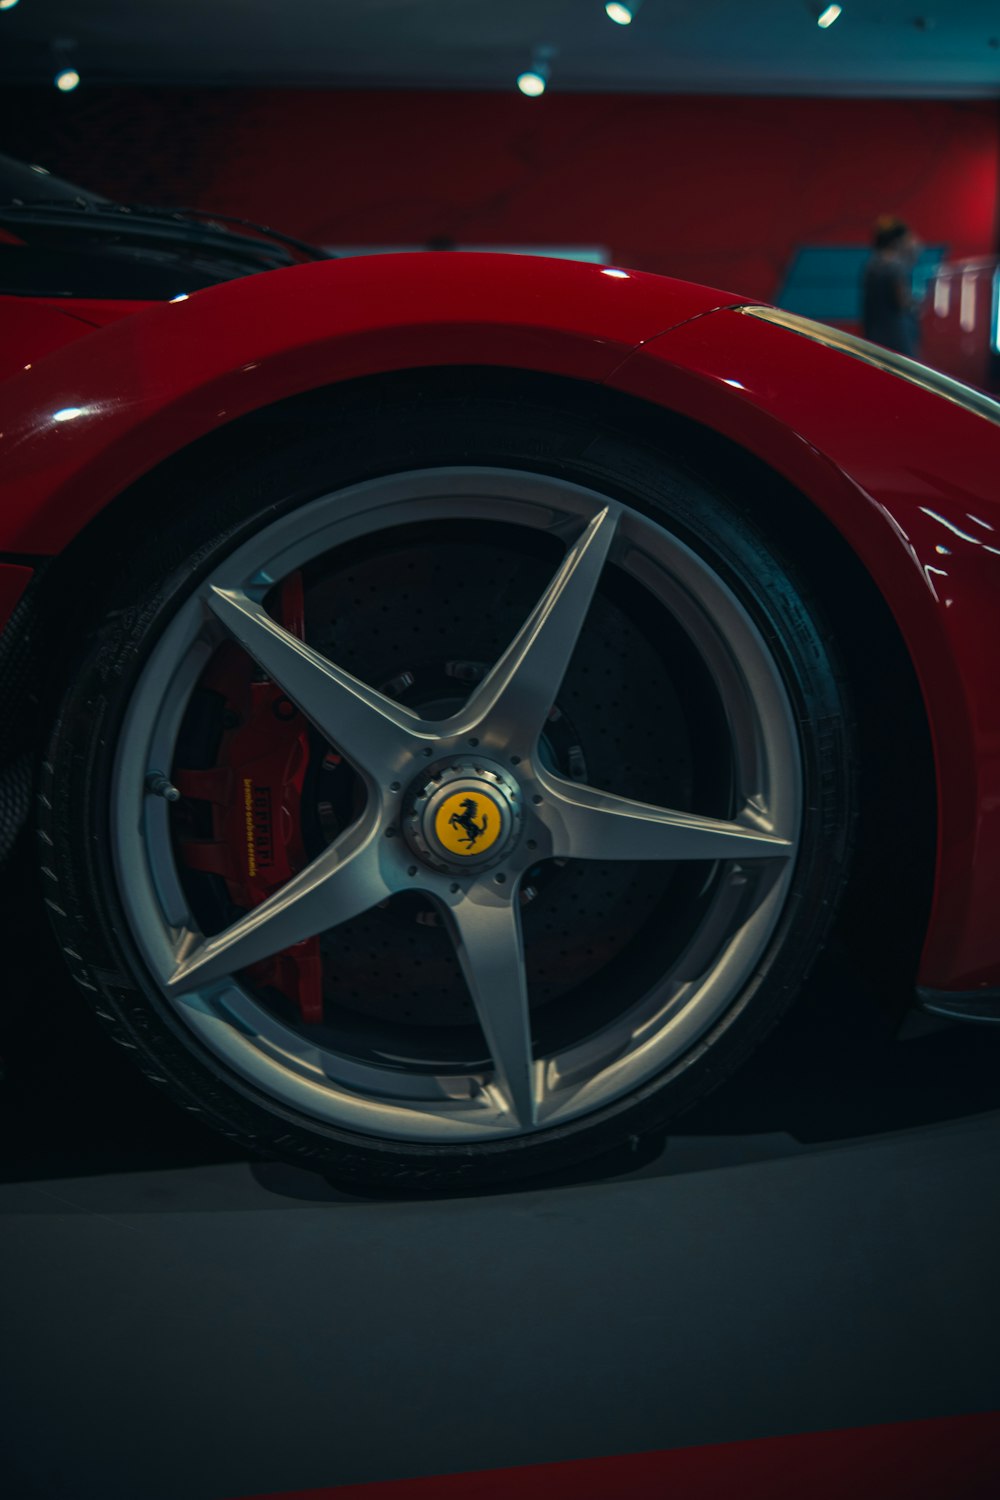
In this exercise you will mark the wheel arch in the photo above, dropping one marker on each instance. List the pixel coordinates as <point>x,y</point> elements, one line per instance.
<point>888,944</point>
<point>88,420</point>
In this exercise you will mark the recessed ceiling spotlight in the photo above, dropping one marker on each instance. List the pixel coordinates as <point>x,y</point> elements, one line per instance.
<point>622,12</point>
<point>828,16</point>
<point>531,84</point>
<point>66,78</point>
<point>7,4</point>
<point>534,80</point>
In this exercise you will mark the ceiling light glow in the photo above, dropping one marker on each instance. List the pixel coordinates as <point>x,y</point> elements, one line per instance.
<point>534,80</point>
<point>531,84</point>
<point>67,80</point>
<point>827,17</point>
<point>7,4</point>
<point>620,14</point>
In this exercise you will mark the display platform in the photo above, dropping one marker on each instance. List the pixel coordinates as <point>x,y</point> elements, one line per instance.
<point>813,1248</point>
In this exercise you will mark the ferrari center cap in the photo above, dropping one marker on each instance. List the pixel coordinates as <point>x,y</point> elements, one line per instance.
<point>463,816</point>
<point>468,823</point>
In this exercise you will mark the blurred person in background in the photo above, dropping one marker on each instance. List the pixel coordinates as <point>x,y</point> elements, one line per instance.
<point>888,313</point>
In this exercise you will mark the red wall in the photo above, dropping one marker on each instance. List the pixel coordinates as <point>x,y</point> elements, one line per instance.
<point>719,190</point>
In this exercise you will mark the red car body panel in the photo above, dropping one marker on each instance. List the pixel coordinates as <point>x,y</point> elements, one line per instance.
<point>148,385</point>
<point>900,472</point>
<point>33,328</point>
<point>909,479</point>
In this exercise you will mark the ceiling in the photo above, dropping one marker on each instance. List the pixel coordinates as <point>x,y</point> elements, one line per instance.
<point>887,48</point>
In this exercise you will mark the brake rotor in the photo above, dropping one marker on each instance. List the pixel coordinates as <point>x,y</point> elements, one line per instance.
<point>423,622</point>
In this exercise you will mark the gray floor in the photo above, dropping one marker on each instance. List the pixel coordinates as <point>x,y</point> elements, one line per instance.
<point>195,1333</point>
<point>816,1247</point>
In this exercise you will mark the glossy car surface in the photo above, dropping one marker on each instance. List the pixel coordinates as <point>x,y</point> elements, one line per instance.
<point>149,384</point>
<point>886,478</point>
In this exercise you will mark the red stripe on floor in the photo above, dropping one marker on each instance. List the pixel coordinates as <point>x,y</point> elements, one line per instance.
<point>942,1458</point>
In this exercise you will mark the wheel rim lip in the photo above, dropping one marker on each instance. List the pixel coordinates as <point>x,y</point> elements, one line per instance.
<point>443,1108</point>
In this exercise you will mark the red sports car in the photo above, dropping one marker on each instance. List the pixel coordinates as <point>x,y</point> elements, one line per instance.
<point>455,696</point>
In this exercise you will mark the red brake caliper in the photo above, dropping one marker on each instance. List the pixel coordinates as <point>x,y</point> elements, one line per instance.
<point>255,793</point>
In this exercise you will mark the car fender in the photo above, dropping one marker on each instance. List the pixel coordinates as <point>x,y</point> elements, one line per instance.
<point>895,468</point>
<point>908,478</point>
<point>84,423</point>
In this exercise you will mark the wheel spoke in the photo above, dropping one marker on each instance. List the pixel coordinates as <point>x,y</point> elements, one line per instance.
<point>370,729</point>
<point>343,882</point>
<point>487,930</point>
<point>516,696</point>
<point>589,824</point>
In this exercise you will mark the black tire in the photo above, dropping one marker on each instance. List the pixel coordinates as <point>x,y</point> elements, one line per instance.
<point>412,427</point>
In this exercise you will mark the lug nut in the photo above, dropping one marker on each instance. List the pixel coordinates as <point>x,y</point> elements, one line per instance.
<point>396,686</point>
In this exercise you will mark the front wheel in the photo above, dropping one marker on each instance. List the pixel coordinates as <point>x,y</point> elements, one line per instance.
<point>474,799</point>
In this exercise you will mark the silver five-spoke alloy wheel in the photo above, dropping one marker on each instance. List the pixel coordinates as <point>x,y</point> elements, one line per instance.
<point>407,834</point>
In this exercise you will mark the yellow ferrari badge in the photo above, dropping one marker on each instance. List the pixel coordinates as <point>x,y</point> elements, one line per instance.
<point>467,823</point>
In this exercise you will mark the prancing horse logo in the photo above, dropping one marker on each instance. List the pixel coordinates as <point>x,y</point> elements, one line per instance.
<point>466,820</point>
